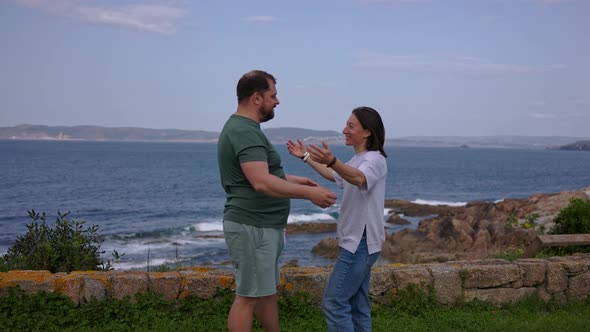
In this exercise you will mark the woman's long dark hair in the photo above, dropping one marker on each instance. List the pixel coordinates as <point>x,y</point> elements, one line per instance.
<point>371,121</point>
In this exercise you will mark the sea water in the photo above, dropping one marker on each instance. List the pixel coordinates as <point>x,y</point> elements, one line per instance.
<point>163,203</point>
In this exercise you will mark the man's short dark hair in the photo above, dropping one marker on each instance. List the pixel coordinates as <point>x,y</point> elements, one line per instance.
<point>252,82</point>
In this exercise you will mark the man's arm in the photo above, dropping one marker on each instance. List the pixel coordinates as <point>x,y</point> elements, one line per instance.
<point>262,181</point>
<point>301,180</point>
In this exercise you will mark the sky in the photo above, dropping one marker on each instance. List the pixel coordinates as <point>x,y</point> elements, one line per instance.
<point>430,67</point>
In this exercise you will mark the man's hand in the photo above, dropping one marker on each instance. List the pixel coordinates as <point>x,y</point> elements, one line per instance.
<point>322,197</point>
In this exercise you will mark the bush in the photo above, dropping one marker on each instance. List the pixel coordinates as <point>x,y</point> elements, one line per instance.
<point>510,254</point>
<point>574,219</point>
<point>65,247</point>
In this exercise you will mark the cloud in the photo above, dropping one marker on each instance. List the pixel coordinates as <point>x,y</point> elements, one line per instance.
<point>542,116</point>
<point>392,1</point>
<point>151,18</point>
<point>261,19</point>
<point>155,18</point>
<point>445,64</point>
<point>549,2</point>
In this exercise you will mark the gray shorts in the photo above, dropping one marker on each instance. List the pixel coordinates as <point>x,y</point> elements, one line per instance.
<point>255,255</point>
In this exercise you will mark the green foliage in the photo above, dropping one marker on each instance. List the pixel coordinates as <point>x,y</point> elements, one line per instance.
<point>298,305</point>
<point>167,266</point>
<point>511,222</point>
<point>414,300</point>
<point>3,264</point>
<point>528,223</point>
<point>412,311</point>
<point>510,254</point>
<point>64,247</point>
<point>463,274</point>
<point>574,219</point>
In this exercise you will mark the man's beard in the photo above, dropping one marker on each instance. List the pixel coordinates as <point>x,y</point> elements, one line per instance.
<point>266,114</point>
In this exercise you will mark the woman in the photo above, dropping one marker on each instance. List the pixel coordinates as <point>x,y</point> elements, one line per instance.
<point>360,229</point>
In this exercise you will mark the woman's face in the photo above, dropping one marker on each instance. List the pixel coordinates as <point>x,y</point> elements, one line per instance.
<point>354,134</point>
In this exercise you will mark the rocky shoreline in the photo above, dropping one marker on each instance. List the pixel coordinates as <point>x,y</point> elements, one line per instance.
<point>478,230</point>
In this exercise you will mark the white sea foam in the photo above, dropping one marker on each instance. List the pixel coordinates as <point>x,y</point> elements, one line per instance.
<point>217,226</point>
<point>499,201</point>
<point>154,262</point>
<point>294,218</point>
<point>208,226</point>
<point>429,202</point>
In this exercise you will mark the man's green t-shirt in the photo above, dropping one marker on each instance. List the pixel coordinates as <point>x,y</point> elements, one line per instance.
<point>240,141</point>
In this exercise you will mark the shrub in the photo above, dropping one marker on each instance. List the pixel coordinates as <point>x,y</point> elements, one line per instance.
<point>414,300</point>
<point>510,254</point>
<point>574,219</point>
<point>511,222</point>
<point>3,265</point>
<point>65,247</point>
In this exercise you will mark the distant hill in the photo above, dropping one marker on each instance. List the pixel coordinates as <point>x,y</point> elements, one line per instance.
<point>282,135</point>
<point>500,141</point>
<point>96,133</point>
<point>275,135</point>
<point>576,146</point>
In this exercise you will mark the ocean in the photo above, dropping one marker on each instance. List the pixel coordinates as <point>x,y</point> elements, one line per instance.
<point>164,201</point>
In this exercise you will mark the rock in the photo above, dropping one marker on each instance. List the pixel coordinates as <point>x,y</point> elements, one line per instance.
<point>579,287</point>
<point>533,271</point>
<point>397,220</point>
<point>203,282</point>
<point>167,284</point>
<point>308,228</point>
<point>129,283</point>
<point>406,275</point>
<point>382,280</point>
<point>488,276</point>
<point>416,210</point>
<point>327,248</point>
<point>446,283</point>
<point>556,278</point>
<point>498,295</point>
<point>311,281</point>
<point>474,231</point>
<point>95,286</point>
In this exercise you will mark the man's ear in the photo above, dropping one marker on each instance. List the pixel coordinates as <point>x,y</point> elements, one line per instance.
<point>256,98</point>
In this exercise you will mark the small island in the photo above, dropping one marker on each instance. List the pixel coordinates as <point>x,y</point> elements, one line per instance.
<point>576,146</point>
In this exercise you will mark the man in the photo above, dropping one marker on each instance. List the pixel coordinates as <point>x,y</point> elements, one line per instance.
<point>257,206</point>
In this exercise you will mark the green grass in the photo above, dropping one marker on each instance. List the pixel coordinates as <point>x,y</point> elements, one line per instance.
<point>413,311</point>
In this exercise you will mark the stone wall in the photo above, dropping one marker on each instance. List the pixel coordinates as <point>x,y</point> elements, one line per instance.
<point>492,280</point>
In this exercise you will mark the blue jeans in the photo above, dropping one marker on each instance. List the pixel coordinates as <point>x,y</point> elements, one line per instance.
<point>346,299</point>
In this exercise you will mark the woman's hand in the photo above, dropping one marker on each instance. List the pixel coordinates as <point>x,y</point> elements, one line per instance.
<point>296,149</point>
<point>321,155</point>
